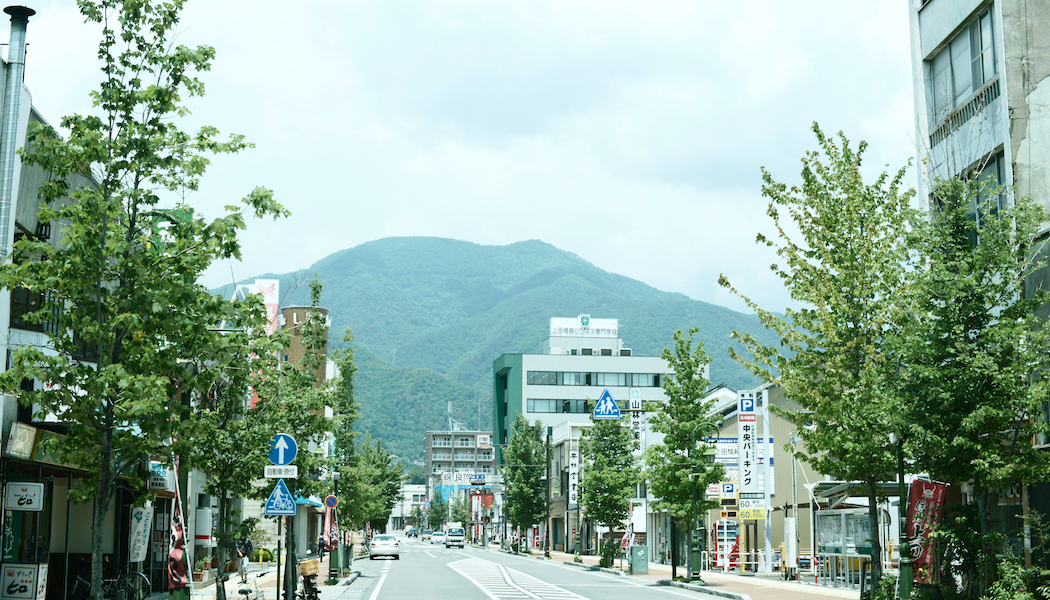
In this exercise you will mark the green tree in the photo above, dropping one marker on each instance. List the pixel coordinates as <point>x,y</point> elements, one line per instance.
<point>685,420</point>
<point>846,266</point>
<point>230,437</point>
<point>438,510</point>
<point>523,471</point>
<point>609,477</point>
<point>972,349</point>
<point>121,286</point>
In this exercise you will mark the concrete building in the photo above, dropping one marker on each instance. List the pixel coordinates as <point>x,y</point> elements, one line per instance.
<point>413,495</point>
<point>458,462</point>
<point>582,358</point>
<point>981,91</point>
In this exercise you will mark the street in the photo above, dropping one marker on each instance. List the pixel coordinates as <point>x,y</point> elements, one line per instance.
<point>431,571</point>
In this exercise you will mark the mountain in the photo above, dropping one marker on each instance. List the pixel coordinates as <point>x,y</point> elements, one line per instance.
<point>430,315</point>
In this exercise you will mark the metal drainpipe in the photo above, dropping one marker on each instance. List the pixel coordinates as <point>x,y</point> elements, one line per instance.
<point>9,121</point>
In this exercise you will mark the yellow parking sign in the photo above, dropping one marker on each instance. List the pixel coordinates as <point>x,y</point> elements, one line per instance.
<point>752,514</point>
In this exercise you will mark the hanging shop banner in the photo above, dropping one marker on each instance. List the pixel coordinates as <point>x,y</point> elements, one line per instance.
<point>141,525</point>
<point>177,555</point>
<point>924,514</point>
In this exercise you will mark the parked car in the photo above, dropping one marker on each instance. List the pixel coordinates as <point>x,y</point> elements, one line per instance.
<point>384,544</point>
<point>454,537</point>
<point>438,537</point>
<point>426,534</point>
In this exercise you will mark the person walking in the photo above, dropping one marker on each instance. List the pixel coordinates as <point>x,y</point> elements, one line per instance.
<point>320,547</point>
<point>244,553</point>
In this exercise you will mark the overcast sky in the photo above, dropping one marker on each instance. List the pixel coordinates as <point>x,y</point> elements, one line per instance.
<point>629,133</point>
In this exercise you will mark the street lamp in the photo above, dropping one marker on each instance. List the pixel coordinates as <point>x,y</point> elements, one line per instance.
<point>904,583</point>
<point>709,456</point>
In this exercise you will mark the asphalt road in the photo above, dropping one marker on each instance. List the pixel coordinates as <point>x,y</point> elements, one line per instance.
<point>427,571</point>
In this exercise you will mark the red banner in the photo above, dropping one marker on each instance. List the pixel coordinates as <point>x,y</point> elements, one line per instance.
<point>176,557</point>
<point>924,514</point>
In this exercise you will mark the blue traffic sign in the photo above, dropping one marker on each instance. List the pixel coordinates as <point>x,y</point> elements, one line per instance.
<point>282,449</point>
<point>280,503</point>
<point>606,408</point>
<point>331,501</point>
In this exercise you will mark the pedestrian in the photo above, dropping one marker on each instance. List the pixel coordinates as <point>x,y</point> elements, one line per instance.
<point>244,553</point>
<point>320,547</point>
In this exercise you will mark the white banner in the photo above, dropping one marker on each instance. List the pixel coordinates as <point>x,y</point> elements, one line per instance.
<point>141,526</point>
<point>574,475</point>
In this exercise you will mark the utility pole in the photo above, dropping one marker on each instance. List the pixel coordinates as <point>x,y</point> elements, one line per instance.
<point>547,524</point>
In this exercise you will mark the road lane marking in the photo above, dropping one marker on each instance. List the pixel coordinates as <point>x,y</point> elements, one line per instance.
<point>375,592</point>
<point>501,583</point>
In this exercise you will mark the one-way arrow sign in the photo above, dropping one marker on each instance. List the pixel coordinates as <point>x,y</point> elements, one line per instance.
<point>282,449</point>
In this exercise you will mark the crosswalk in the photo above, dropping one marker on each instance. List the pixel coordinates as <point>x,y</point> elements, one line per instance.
<point>501,583</point>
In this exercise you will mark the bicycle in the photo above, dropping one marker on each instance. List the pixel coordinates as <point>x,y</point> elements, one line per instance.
<point>126,586</point>
<point>253,594</point>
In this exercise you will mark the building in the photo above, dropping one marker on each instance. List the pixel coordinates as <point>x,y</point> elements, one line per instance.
<point>413,495</point>
<point>457,463</point>
<point>981,90</point>
<point>582,358</point>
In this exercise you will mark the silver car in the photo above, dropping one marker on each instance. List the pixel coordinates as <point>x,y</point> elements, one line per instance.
<point>384,545</point>
<point>438,537</point>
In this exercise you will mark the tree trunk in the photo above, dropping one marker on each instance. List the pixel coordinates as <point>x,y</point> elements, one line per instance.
<point>103,489</point>
<point>873,532</point>
<point>987,563</point>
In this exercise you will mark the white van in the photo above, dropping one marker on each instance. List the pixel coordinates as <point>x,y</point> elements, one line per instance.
<point>454,536</point>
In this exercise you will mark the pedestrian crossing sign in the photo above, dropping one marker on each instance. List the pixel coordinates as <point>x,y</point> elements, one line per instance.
<point>606,408</point>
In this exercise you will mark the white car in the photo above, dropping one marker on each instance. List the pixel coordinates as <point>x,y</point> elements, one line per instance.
<point>384,545</point>
<point>438,537</point>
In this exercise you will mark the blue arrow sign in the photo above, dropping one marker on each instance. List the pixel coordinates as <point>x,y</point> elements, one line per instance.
<point>282,449</point>
<point>280,503</point>
<point>606,408</point>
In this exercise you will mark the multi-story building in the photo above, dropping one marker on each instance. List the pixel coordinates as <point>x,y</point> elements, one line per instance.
<point>413,496</point>
<point>582,358</point>
<point>981,90</point>
<point>457,461</point>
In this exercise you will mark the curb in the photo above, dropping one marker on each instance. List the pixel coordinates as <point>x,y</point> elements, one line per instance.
<point>704,589</point>
<point>596,568</point>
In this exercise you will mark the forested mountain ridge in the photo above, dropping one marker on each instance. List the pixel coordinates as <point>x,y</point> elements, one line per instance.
<point>450,307</point>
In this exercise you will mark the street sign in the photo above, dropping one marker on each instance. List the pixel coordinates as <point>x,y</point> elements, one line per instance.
<point>331,501</point>
<point>606,408</point>
<point>281,471</point>
<point>477,479</point>
<point>728,491</point>
<point>282,449</point>
<point>752,514</point>
<point>280,503</point>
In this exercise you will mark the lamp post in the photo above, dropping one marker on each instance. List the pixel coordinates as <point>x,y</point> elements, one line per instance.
<point>904,583</point>
<point>694,526</point>
<point>547,523</point>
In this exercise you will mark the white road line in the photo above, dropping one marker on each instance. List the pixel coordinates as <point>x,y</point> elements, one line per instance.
<point>375,592</point>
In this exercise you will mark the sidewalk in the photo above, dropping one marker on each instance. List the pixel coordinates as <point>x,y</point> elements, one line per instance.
<point>266,578</point>
<point>738,586</point>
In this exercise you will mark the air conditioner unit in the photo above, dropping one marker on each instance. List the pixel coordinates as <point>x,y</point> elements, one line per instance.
<point>625,351</point>
<point>606,351</point>
<point>586,351</point>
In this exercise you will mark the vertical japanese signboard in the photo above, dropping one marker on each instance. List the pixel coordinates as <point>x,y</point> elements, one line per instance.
<point>747,450</point>
<point>574,474</point>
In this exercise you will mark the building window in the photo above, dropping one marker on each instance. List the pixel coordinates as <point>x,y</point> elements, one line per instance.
<point>963,66</point>
<point>24,302</point>
<point>599,379</point>
<point>551,405</point>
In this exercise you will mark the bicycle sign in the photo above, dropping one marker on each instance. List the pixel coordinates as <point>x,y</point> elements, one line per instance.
<point>280,502</point>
